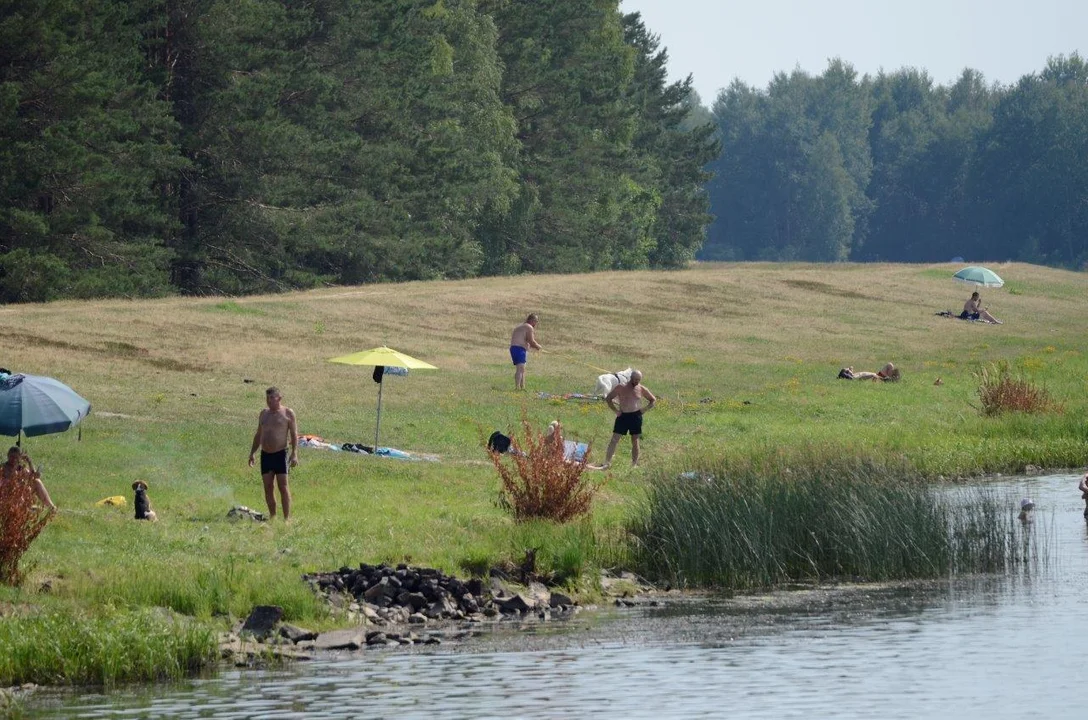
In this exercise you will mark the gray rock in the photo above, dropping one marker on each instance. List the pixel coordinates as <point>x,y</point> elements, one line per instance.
<point>514,604</point>
<point>296,634</point>
<point>560,600</point>
<point>469,604</point>
<point>417,619</point>
<point>339,640</point>
<point>499,588</point>
<point>375,638</point>
<point>262,621</point>
<point>382,590</point>
<point>539,595</point>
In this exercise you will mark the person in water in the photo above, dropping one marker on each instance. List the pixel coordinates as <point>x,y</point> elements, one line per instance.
<point>1027,511</point>
<point>1083,487</point>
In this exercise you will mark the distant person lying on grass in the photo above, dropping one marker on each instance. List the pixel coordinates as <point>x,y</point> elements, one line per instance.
<point>19,462</point>
<point>572,451</point>
<point>888,373</point>
<point>973,310</point>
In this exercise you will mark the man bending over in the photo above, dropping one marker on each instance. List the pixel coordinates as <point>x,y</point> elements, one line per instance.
<point>523,338</point>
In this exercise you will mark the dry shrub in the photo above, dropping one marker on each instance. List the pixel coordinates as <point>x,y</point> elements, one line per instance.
<point>1000,391</point>
<point>537,482</point>
<point>21,520</point>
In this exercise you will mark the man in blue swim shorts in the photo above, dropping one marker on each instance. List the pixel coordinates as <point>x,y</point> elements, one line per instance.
<point>523,338</point>
<point>626,401</point>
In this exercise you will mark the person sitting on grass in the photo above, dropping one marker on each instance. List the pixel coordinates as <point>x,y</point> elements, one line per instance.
<point>973,310</point>
<point>888,373</point>
<point>19,461</point>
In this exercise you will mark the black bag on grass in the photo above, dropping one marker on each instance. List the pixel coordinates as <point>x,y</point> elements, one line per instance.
<point>498,443</point>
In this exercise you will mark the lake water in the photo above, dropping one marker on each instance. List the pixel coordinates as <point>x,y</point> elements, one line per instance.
<point>989,647</point>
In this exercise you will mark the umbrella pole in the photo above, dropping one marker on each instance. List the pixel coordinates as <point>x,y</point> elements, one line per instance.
<point>378,425</point>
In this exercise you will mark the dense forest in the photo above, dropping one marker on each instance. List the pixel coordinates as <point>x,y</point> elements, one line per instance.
<point>150,147</point>
<point>896,168</point>
<point>231,146</point>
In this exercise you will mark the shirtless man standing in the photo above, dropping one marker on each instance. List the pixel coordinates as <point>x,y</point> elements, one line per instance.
<point>275,427</point>
<point>524,337</point>
<point>629,411</point>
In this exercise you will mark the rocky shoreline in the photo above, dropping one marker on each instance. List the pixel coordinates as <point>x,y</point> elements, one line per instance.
<point>400,606</point>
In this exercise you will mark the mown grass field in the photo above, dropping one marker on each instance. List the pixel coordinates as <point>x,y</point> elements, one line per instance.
<point>743,358</point>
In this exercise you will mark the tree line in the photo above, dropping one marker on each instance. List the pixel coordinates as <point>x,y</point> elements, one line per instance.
<point>233,146</point>
<point>897,168</point>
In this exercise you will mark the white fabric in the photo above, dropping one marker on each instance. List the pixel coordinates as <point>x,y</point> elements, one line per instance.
<point>606,382</point>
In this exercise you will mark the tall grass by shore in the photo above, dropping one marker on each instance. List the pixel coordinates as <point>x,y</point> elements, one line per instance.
<point>737,528</point>
<point>71,648</point>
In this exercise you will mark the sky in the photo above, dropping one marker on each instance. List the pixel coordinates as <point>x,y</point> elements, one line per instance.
<point>719,40</point>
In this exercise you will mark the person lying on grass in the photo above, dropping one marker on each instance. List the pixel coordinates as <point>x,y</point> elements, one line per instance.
<point>554,441</point>
<point>888,373</point>
<point>20,461</point>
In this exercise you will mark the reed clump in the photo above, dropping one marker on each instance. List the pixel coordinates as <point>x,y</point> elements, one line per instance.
<point>68,648</point>
<point>539,482</point>
<point>1001,392</point>
<point>752,527</point>
<point>21,521</point>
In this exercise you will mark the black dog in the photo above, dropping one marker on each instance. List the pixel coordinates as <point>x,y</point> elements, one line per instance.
<point>142,503</point>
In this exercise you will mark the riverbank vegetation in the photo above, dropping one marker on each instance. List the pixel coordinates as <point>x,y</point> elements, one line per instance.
<point>838,518</point>
<point>743,359</point>
<point>62,647</point>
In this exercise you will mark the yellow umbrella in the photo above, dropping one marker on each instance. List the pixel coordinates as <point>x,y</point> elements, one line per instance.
<point>382,357</point>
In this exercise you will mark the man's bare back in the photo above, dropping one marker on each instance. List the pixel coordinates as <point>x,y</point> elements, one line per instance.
<point>630,397</point>
<point>524,336</point>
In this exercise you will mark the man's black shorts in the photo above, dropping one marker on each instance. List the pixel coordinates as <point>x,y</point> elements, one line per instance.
<point>274,463</point>
<point>628,423</point>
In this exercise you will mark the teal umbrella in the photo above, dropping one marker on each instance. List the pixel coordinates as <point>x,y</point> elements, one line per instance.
<point>34,405</point>
<point>980,276</point>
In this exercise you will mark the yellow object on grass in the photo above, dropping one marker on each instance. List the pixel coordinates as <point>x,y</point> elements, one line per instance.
<point>116,500</point>
<point>383,356</point>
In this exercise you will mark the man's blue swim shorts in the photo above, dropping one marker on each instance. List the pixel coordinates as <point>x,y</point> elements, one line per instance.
<point>518,354</point>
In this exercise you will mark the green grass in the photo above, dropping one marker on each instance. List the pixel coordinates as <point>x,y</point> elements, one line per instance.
<point>104,649</point>
<point>742,356</point>
<point>817,517</point>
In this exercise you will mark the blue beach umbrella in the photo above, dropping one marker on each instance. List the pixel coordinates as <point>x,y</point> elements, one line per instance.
<point>980,276</point>
<point>34,405</point>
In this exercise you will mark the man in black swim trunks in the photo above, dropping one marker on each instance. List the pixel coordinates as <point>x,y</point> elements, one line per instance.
<point>626,401</point>
<point>276,425</point>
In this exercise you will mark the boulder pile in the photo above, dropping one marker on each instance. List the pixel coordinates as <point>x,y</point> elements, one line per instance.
<point>383,594</point>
